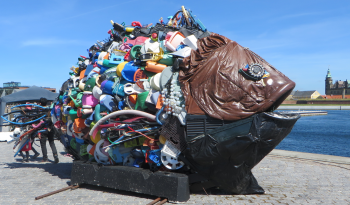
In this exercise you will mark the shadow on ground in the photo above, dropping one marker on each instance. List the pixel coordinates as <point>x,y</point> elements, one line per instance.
<point>62,170</point>
<point>116,191</point>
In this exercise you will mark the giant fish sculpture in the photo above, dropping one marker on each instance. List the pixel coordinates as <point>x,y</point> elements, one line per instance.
<point>175,98</point>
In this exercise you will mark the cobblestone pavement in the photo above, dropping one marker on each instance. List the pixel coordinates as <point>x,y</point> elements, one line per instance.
<point>286,181</point>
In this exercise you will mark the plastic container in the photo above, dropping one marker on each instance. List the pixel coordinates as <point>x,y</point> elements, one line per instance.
<point>107,101</point>
<point>129,29</point>
<point>107,87</point>
<point>96,92</point>
<point>191,41</point>
<point>154,67</point>
<point>120,68</point>
<point>135,51</point>
<point>102,55</point>
<point>89,100</point>
<point>89,85</point>
<point>73,114</point>
<point>155,82</point>
<point>167,60</point>
<point>173,39</point>
<point>129,71</point>
<point>137,41</point>
<point>115,60</point>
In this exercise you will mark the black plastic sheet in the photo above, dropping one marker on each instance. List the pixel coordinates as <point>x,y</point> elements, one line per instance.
<point>226,155</point>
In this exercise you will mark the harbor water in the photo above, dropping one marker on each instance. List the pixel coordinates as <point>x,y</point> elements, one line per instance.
<point>321,134</point>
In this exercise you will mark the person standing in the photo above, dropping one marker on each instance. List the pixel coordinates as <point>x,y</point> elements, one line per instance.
<point>47,133</point>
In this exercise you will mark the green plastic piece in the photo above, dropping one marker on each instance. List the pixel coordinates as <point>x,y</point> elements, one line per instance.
<point>73,114</point>
<point>73,144</point>
<point>167,60</point>
<point>74,92</point>
<point>98,109</point>
<point>106,63</point>
<point>83,150</point>
<point>149,74</point>
<point>84,116</point>
<point>141,101</point>
<point>78,100</point>
<point>135,51</point>
<point>135,142</point>
<point>90,84</point>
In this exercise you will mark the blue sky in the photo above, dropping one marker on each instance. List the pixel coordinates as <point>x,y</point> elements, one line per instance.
<point>40,40</point>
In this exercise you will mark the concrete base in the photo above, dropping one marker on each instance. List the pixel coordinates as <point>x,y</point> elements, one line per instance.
<point>173,186</point>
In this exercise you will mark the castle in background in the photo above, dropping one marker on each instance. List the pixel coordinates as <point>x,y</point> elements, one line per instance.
<point>338,88</point>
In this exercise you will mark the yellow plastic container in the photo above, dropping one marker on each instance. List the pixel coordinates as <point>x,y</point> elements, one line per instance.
<point>120,67</point>
<point>129,29</point>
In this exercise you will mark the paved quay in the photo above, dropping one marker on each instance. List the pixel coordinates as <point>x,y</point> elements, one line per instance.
<point>287,177</point>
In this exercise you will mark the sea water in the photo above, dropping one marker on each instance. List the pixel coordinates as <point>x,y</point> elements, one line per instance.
<point>322,134</point>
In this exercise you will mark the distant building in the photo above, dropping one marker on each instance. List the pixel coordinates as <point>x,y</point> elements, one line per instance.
<point>313,94</point>
<point>12,87</point>
<point>335,97</point>
<point>338,88</point>
<point>290,96</point>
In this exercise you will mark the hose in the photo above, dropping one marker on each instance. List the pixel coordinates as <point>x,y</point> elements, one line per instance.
<point>121,112</point>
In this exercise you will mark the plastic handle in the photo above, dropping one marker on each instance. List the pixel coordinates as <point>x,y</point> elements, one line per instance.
<point>136,23</point>
<point>38,125</point>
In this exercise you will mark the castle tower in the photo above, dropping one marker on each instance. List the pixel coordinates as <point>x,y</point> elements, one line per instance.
<point>329,82</point>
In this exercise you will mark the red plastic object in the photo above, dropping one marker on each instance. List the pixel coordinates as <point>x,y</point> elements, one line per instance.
<point>127,56</point>
<point>79,113</point>
<point>136,23</point>
<point>27,147</point>
<point>153,145</point>
<point>147,160</point>
<point>139,74</point>
<point>137,41</point>
<point>133,98</point>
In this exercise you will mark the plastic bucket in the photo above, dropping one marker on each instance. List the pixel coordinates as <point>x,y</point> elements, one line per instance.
<point>106,87</point>
<point>89,100</point>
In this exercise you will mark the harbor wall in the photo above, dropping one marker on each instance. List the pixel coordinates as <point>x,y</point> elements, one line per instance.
<point>292,102</point>
<point>345,102</point>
